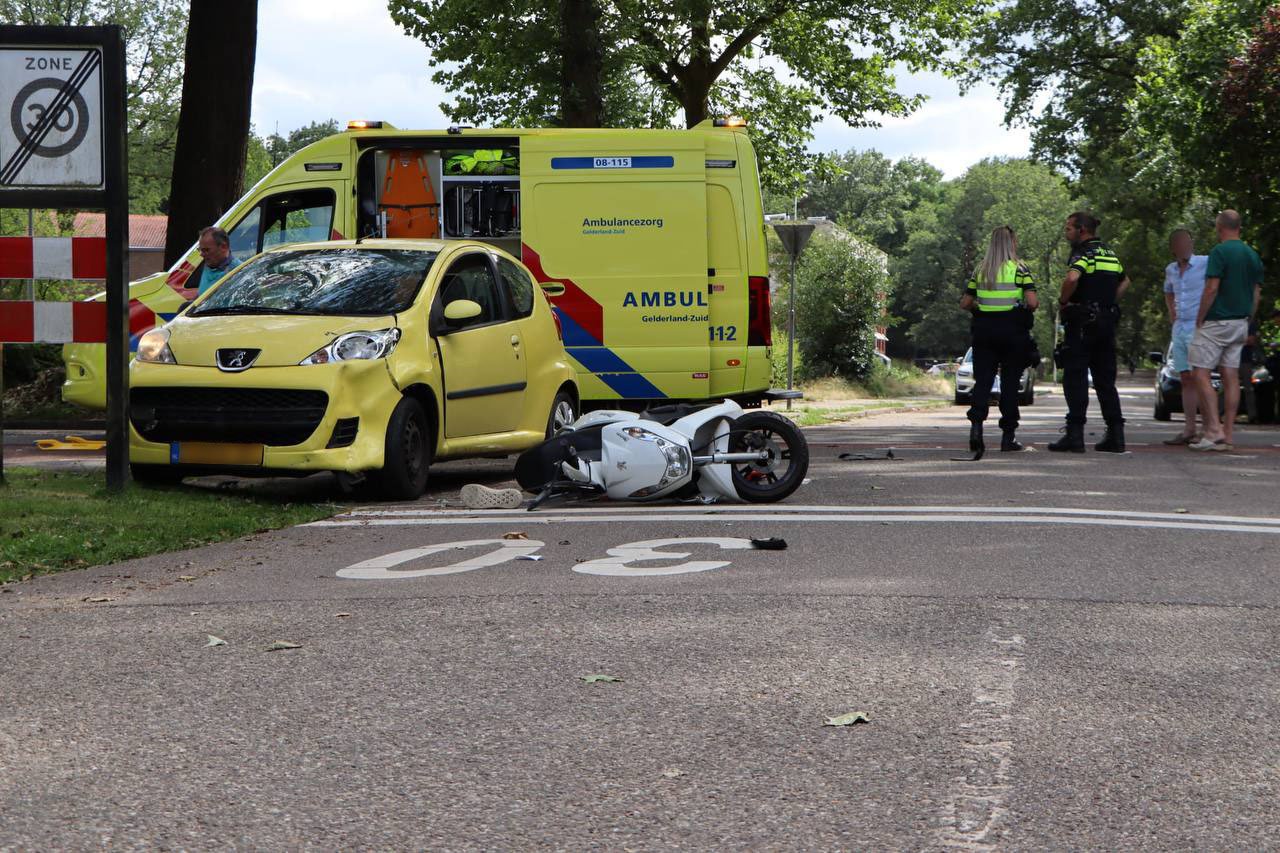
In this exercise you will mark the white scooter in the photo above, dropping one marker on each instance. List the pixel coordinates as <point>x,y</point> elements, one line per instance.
<point>709,452</point>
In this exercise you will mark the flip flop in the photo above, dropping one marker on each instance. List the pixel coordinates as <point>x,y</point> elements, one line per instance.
<point>1205,444</point>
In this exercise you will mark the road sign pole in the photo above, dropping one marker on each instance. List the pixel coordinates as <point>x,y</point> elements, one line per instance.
<point>117,229</point>
<point>794,236</point>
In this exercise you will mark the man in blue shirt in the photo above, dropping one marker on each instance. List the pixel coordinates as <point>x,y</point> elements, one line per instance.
<point>1183,287</point>
<point>215,250</point>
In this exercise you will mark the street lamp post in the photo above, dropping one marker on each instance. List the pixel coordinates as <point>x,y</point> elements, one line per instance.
<point>794,236</point>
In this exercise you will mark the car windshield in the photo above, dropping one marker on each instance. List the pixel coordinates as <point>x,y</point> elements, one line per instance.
<point>322,281</point>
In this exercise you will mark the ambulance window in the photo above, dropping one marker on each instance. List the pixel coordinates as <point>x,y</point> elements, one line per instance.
<point>471,277</point>
<point>297,217</point>
<point>244,237</point>
<point>518,285</point>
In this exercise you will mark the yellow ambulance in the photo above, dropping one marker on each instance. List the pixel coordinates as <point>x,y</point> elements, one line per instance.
<point>650,244</point>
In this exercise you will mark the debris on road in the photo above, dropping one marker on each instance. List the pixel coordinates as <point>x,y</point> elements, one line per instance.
<point>187,578</point>
<point>773,543</point>
<point>532,558</point>
<point>214,641</point>
<point>98,599</point>
<point>853,718</point>
<point>673,773</point>
<point>341,615</point>
<point>592,679</point>
<point>517,534</point>
<point>283,645</point>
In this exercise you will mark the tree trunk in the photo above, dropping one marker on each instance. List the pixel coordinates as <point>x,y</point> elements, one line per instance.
<point>213,126</point>
<point>581,64</point>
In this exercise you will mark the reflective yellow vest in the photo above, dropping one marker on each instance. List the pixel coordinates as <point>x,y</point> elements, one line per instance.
<point>1007,291</point>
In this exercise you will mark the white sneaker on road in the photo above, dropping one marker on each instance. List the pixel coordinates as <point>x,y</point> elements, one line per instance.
<point>476,496</point>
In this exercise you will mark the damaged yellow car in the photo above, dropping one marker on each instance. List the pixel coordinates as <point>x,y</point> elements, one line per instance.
<point>369,359</point>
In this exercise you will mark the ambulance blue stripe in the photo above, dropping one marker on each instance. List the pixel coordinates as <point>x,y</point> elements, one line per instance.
<point>574,334</point>
<point>632,386</point>
<point>597,359</point>
<point>590,162</point>
<point>615,372</point>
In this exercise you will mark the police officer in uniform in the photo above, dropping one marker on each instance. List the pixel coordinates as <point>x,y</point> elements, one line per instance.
<point>1001,295</point>
<point>1088,306</point>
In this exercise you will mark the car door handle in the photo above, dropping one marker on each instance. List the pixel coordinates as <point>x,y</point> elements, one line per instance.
<point>515,340</point>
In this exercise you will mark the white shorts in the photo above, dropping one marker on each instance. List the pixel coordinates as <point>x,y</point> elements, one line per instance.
<point>1218,344</point>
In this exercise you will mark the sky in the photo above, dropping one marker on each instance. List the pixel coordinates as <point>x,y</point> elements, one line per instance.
<point>346,59</point>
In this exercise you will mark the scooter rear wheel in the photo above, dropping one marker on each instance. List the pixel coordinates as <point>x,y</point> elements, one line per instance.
<point>782,473</point>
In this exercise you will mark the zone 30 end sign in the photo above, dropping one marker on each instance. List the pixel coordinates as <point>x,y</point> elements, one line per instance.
<point>51,117</point>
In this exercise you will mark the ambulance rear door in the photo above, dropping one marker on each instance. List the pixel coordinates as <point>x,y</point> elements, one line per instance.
<point>615,227</point>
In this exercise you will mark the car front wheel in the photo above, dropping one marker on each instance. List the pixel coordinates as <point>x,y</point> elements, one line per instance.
<point>408,453</point>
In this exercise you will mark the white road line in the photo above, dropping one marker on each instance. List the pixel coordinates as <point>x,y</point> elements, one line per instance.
<point>710,512</point>
<point>969,517</point>
<point>976,810</point>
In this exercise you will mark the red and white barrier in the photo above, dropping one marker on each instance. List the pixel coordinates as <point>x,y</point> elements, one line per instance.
<point>63,258</point>
<point>53,322</point>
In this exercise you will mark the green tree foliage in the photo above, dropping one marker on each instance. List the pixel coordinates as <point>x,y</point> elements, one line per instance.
<point>1207,107</point>
<point>870,195</point>
<point>841,284</point>
<point>155,32</point>
<point>779,64</point>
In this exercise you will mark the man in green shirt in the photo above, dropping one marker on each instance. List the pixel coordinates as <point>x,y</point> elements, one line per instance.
<point>1232,288</point>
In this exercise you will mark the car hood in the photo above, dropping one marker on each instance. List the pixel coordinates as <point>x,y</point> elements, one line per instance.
<point>283,340</point>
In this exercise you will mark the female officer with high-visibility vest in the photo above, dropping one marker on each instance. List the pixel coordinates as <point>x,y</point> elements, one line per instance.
<point>1001,296</point>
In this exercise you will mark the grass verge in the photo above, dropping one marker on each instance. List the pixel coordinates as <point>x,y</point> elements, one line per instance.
<point>56,520</point>
<point>817,416</point>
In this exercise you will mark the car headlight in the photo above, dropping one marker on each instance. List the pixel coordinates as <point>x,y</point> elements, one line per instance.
<point>356,346</point>
<point>154,347</point>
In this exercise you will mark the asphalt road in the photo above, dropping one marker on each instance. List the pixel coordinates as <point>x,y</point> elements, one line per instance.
<point>1053,653</point>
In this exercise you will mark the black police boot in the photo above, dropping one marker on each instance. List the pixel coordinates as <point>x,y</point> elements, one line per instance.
<point>1009,444</point>
<point>976,443</point>
<point>1072,440</point>
<point>1113,441</point>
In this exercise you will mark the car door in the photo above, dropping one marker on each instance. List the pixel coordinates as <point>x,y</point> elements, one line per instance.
<point>482,359</point>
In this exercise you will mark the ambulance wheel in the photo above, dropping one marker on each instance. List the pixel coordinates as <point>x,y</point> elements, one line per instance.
<point>155,475</point>
<point>782,472</point>
<point>564,412</point>
<point>408,453</point>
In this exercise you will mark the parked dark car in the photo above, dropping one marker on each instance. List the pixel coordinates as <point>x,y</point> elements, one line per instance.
<point>1262,408</point>
<point>1169,386</point>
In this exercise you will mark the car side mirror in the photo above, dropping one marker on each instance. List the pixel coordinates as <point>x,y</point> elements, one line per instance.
<point>461,310</point>
<point>1157,357</point>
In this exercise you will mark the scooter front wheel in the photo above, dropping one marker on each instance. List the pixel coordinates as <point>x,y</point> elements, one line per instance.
<point>787,461</point>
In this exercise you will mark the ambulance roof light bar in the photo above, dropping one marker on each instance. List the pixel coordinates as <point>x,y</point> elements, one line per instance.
<point>730,121</point>
<point>365,124</point>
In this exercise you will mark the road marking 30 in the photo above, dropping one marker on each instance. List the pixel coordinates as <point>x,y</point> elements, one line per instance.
<point>621,560</point>
<point>380,568</point>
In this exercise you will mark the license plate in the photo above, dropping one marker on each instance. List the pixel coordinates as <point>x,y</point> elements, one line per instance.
<point>214,453</point>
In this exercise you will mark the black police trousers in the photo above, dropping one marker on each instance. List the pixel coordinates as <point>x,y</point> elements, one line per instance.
<point>1000,342</point>
<point>1091,348</point>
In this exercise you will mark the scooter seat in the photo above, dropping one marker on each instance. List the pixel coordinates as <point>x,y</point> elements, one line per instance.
<point>667,415</point>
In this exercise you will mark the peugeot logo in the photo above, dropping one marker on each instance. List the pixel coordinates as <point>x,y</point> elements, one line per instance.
<point>235,360</point>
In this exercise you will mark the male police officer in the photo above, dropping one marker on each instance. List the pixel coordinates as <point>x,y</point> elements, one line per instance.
<point>1095,281</point>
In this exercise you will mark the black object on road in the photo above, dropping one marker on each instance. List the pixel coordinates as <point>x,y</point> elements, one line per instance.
<point>771,544</point>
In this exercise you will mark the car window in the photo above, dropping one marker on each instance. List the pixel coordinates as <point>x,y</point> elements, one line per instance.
<point>471,277</point>
<point>519,287</point>
<point>331,281</point>
<point>244,236</point>
<point>297,217</point>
